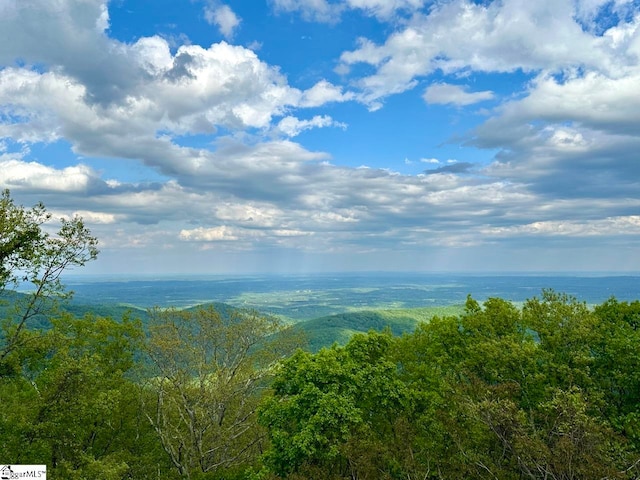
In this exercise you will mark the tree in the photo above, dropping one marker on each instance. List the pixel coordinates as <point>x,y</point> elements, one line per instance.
<point>337,413</point>
<point>533,393</point>
<point>616,369</point>
<point>565,330</point>
<point>29,254</point>
<point>75,407</point>
<point>208,374</point>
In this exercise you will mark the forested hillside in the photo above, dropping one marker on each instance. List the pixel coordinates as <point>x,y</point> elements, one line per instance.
<point>550,390</point>
<point>317,333</point>
<point>339,328</point>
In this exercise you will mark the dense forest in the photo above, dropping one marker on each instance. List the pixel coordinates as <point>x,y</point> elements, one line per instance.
<point>545,390</point>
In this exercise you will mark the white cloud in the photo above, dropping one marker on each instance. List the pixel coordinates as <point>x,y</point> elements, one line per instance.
<point>324,92</point>
<point>291,233</point>
<point>621,225</point>
<point>70,39</point>
<point>153,54</point>
<point>445,93</point>
<point>190,91</point>
<point>268,196</point>
<point>292,126</point>
<point>223,17</point>
<point>585,125</point>
<point>592,99</point>
<point>91,217</point>
<point>18,174</point>
<point>250,214</point>
<point>461,35</point>
<point>214,234</point>
<point>222,85</point>
<point>194,91</point>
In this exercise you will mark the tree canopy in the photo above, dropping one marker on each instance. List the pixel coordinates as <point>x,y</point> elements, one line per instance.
<point>498,392</point>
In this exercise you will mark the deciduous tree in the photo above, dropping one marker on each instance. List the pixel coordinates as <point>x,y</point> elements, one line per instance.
<point>30,254</point>
<point>209,373</point>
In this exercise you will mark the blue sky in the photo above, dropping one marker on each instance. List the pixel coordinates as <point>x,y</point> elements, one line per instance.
<point>212,136</point>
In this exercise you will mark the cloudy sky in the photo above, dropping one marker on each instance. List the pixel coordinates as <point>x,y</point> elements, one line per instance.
<point>236,136</point>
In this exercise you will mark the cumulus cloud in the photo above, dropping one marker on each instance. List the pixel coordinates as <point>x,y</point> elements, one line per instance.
<point>189,91</point>
<point>254,197</point>
<point>222,17</point>
<point>194,91</point>
<point>579,113</point>
<point>586,121</point>
<point>324,92</point>
<point>503,36</point>
<point>91,217</point>
<point>445,93</point>
<point>566,145</point>
<point>18,175</point>
<point>238,236</point>
<point>70,38</point>
<point>349,203</point>
<point>561,162</point>
<point>592,99</point>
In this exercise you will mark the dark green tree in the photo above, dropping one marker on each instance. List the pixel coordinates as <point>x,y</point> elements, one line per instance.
<point>539,392</point>
<point>337,413</point>
<point>616,365</point>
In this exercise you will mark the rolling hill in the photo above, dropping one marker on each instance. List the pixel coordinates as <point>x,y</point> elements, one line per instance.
<point>327,330</point>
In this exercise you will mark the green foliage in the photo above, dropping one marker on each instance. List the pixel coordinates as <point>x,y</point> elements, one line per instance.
<point>72,405</point>
<point>540,392</point>
<point>332,408</point>
<point>616,365</point>
<point>208,372</point>
<point>28,254</point>
<point>20,238</point>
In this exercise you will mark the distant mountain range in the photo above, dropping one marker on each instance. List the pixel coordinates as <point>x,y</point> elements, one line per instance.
<point>328,308</point>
